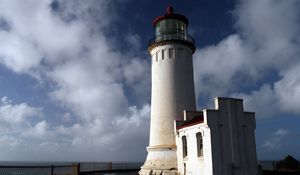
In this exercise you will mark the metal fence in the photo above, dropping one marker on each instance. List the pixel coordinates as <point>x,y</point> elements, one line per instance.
<point>40,170</point>
<point>88,168</point>
<point>84,168</point>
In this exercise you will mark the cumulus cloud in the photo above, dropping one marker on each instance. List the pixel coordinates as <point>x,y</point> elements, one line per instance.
<point>288,89</point>
<point>64,42</point>
<point>39,130</point>
<point>35,34</point>
<point>257,100</point>
<point>216,67</point>
<point>17,113</point>
<point>276,140</point>
<point>15,121</point>
<point>264,49</point>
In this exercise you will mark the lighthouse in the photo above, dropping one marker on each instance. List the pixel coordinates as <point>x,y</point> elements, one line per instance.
<point>171,50</point>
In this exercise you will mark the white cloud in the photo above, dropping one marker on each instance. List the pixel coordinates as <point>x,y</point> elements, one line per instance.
<point>39,130</point>
<point>276,140</point>
<point>217,66</point>
<point>14,49</point>
<point>5,100</point>
<point>67,46</point>
<point>16,122</point>
<point>80,141</point>
<point>265,49</point>
<point>288,89</point>
<point>35,34</point>
<point>257,100</point>
<point>89,92</point>
<point>281,132</point>
<point>17,113</point>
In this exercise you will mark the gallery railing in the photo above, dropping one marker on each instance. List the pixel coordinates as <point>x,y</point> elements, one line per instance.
<point>168,37</point>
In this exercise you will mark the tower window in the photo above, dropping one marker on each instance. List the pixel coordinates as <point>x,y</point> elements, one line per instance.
<point>180,53</point>
<point>171,53</point>
<point>153,57</point>
<point>162,54</point>
<point>156,56</point>
<point>199,144</point>
<point>184,146</point>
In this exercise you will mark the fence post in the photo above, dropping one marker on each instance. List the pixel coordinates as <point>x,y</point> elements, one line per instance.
<point>75,169</point>
<point>52,169</point>
<point>78,168</point>
<point>109,166</point>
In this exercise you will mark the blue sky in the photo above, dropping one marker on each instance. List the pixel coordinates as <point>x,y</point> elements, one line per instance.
<point>75,75</point>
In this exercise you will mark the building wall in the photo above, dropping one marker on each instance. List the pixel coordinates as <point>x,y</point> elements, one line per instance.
<point>232,138</point>
<point>228,141</point>
<point>194,164</point>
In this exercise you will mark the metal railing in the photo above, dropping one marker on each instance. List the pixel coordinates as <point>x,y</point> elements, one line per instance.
<point>87,168</point>
<point>167,37</point>
<point>71,169</point>
<point>84,168</point>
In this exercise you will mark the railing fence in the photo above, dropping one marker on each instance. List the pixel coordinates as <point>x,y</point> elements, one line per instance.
<point>84,168</point>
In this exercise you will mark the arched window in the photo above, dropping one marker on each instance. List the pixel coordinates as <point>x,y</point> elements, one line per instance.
<point>199,144</point>
<point>184,146</point>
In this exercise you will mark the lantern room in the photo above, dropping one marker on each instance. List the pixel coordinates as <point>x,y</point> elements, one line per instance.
<point>171,26</point>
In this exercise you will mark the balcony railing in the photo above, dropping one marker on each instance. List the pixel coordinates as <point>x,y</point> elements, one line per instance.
<point>168,37</point>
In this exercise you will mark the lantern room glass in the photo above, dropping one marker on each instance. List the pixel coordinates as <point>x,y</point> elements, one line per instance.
<point>169,29</point>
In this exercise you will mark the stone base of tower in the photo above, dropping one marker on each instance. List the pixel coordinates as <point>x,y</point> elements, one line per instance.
<point>161,160</point>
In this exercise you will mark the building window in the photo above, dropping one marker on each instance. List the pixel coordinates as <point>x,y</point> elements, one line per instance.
<point>184,146</point>
<point>199,144</point>
<point>171,53</point>
<point>162,54</point>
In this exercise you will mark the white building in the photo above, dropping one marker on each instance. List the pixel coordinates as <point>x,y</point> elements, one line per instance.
<point>219,142</point>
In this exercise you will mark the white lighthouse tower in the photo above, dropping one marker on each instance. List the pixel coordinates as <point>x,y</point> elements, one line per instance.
<point>171,51</point>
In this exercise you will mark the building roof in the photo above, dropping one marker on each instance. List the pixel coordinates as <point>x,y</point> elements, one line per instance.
<point>171,15</point>
<point>195,120</point>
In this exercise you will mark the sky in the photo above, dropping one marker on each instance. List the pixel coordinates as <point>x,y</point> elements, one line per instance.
<point>75,75</point>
